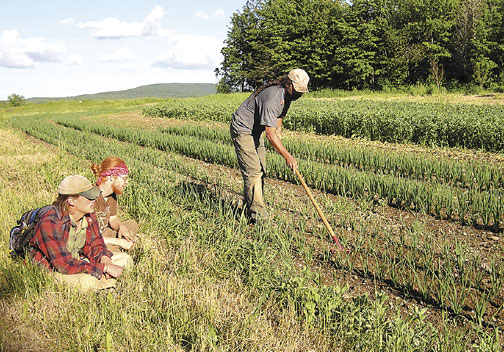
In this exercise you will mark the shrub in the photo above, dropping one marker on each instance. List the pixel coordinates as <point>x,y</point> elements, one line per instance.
<point>15,99</point>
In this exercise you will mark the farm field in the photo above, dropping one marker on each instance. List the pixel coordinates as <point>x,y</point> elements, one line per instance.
<point>422,218</point>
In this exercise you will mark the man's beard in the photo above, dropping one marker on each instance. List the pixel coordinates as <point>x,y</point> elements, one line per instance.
<point>294,96</point>
<point>116,189</point>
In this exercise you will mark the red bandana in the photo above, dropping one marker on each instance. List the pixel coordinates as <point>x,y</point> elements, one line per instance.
<point>118,170</point>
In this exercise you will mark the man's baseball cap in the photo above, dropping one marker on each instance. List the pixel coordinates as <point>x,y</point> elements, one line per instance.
<point>300,79</point>
<point>77,184</point>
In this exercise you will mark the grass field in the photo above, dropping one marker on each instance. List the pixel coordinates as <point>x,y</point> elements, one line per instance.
<point>417,278</point>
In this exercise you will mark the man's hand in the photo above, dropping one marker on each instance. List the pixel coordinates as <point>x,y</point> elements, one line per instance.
<point>113,270</point>
<point>125,233</point>
<point>291,162</point>
<point>105,260</point>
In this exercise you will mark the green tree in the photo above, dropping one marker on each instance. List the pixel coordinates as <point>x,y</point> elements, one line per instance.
<point>240,49</point>
<point>427,27</point>
<point>15,99</point>
<point>495,22</point>
<point>298,34</point>
<point>357,34</point>
<point>271,37</point>
<point>365,43</point>
<point>481,44</point>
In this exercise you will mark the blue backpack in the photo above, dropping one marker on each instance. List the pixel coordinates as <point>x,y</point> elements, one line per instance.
<point>23,232</point>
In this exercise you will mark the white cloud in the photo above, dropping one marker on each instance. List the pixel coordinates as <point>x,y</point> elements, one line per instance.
<point>218,14</point>
<point>16,52</point>
<point>74,59</point>
<point>128,67</point>
<point>111,27</point>
<point>204,16</point>
<point>121,55</point>
<point>152,22</point>
<point>165,33</point>
<point>67,21</point>
<point>190,52</point>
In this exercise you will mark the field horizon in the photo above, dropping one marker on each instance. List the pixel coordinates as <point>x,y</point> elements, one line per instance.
<point>155,90</point>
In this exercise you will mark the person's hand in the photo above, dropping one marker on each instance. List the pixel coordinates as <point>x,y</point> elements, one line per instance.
<point>291,162</point>
<point>125,233</point>
<point>105,260</point>
<point>113,270</point>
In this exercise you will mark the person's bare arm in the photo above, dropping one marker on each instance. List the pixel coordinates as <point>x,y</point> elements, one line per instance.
<point>271,134</point>
<point>123,232</point>
<point>114,222</point>
<point>279,128</point>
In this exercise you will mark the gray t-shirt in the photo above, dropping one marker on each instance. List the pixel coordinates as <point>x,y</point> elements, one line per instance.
<point>255,113</point>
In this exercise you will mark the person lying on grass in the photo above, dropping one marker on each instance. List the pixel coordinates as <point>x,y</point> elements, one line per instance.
<point>112,177</point>
<point>68,242</point>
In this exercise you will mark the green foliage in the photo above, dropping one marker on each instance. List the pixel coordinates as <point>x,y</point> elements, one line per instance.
<point>421,167</point>
<point>223,88</point>
<point>15,99</point>
<point>365,43</point>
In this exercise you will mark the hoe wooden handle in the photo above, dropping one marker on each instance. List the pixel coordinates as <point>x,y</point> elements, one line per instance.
<point>319,211</point>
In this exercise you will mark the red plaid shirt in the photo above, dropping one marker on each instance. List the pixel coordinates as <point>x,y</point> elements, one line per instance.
<point>48,245</point>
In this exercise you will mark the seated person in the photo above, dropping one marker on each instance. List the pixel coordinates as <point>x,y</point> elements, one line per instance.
<point>112,177</point>
<point>67,239</point>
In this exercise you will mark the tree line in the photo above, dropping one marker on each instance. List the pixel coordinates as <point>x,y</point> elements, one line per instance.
<point>366,44</point>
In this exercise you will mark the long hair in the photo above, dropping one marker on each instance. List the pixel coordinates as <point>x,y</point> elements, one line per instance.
<point>106,164</point>
<point>281,81</point>
<point>61,202</point>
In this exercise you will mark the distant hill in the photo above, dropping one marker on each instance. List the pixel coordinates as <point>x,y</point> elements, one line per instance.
<point>160,90</point>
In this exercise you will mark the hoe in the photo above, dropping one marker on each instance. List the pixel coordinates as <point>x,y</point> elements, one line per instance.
<point>339,248</point>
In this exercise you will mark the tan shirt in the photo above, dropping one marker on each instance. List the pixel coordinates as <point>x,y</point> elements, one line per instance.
<point>104,209</point>
<point>77,237</point>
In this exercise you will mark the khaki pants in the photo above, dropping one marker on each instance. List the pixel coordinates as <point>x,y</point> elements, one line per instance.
<point>109,233</point>
<point>86,282</point>
<point>251,155</point>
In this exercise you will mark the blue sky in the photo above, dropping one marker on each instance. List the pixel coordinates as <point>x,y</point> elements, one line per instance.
<point>53,48</point>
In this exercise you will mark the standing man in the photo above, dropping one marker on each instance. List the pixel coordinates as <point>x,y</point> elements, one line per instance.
<point>67,239</point>
<point>112,178</point>
<point>263,111</point>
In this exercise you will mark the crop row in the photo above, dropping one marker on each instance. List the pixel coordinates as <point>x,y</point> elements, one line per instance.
<point>449,280</point>
<point>422,167</point>
<point>466,206</point>
<point>453,125</point>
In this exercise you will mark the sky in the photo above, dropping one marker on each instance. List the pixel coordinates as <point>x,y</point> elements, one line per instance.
<point>58,48</point>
